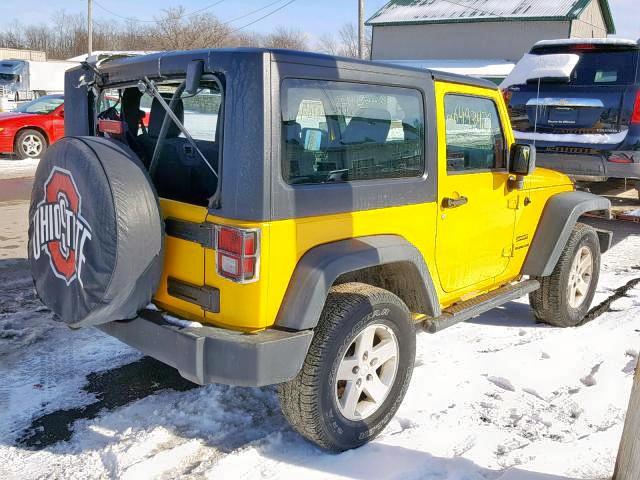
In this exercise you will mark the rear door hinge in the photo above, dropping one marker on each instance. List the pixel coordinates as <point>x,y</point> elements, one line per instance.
<point>202,233</point>
<point>508,251</point>
<point>205,296</point>
<point>514,203</point>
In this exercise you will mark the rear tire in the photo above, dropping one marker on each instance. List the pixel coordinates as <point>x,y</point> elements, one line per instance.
<point>564,297</point>
<point>30,144</point>
<point>352,357</point>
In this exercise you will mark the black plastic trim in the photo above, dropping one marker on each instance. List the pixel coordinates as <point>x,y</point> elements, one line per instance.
<point>319,268</point>
<point>202,233</point>
<point>558,219</point>
<point>216,355</point>
<point>207,297</point>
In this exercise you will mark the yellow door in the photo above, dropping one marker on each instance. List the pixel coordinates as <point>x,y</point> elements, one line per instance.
<point>476,215</point>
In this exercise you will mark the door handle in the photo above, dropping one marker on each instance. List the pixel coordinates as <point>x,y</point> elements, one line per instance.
<point>448,202</point>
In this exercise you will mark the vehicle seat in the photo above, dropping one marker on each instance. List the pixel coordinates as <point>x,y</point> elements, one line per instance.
<point>366,136</point>
<point>181,174</point>
<point>149,139</point>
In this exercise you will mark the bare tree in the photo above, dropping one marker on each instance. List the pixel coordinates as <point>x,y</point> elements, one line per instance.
<point>66,35</point>
<point>327,43</point>
<point>284,37</point>
<point>175,32</point>
<point>345,43</point>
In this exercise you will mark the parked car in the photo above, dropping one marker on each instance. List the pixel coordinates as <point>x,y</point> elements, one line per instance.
<point>294,238</point>
<point>587,123</point>
<point>29,130</point>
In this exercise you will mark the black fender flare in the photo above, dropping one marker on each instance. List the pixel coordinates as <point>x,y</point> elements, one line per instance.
<point>319,268</point>
<point>559,216</point>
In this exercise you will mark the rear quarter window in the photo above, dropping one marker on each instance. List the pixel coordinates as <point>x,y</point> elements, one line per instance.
<point>340,132</point>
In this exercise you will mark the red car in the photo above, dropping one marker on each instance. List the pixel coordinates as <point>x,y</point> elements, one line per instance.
<point>32,127</point>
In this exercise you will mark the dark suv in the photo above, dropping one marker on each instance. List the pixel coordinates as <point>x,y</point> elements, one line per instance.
<point>588,122</point>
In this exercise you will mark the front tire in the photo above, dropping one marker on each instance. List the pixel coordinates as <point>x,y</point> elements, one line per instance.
<point>564,297</point>
<point>30,144</point>
<point>357,370</point>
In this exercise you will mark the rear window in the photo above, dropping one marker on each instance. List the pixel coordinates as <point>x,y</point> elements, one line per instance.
<point>183,169</point>
<point>605,68</point>
<point>339,132</point>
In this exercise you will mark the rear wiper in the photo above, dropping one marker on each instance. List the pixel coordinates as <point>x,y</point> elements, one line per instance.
<point>147,86</point>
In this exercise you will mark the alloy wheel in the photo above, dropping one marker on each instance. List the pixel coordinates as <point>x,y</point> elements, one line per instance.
<point>32,145</point>
<point>580,277</point>
<point>367,372</point>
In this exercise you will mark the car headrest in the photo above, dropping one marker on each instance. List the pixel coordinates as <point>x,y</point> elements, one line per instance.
<point>156,116</point>
<point>368,125</point>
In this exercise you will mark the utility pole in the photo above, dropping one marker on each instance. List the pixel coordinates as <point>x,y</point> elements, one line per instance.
<point>361,44</point>
<point>89,27</point>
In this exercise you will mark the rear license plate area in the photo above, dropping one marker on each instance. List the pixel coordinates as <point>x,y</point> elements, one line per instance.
<point>563,116</point>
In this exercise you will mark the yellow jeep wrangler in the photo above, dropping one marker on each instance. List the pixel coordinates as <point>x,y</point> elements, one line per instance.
<point>294,218</point>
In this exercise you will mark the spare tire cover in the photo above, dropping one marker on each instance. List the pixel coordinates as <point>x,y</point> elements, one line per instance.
<point>95,232</point>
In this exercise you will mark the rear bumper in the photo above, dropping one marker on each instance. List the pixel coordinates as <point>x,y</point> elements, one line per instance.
<point>216,355</point>
<point>591,165</point>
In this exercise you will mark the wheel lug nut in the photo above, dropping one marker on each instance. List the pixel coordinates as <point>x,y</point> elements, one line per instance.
<point>369,377</point>
<point>365,356</point>
<point>359,382</point>
<point>373,362</point>
<point>355,370</point>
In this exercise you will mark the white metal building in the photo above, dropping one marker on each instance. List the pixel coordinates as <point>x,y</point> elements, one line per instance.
<point>481,29</point>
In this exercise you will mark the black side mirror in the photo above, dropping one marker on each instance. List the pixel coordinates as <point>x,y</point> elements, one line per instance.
<point>195,69</point>
<point>522,160</point>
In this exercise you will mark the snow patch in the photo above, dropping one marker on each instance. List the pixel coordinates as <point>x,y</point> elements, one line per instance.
<point>503,383</point>
<point>10,168</point>
<point>621,304</point>
<point>179,322</point>
<point>586,41</point>
<point>593,138</point>
<point>533,67</point>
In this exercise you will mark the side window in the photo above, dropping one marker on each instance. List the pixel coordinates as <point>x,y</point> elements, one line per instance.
<point>201,114</point>
<point>109,107</point>
<point>338,132</point>
<point>474,135</point>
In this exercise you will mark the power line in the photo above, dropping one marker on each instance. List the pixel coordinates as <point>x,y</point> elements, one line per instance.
<point>263,17</point>
<point>200,10</point>
<point>185,15</point>
<point>251,13</point>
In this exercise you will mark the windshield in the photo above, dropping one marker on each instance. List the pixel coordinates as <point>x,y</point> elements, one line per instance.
<point>41,105</point>
<point>8,77</point>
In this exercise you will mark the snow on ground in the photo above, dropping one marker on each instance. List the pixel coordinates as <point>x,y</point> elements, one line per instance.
<point>13,168</point>
<point>496,398</point>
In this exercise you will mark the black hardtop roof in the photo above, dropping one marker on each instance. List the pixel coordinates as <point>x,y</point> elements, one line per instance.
<point>174,62</point>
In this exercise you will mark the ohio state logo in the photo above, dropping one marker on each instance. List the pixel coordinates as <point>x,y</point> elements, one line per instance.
<point>59,228</point>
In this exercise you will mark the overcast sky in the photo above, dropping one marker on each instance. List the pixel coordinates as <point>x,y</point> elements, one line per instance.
<point>312,16</point>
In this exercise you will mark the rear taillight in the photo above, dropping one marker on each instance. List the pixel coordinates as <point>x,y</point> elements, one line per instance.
<point>237,253</point>
<point>507,96</point>
<point>584,47</point>
<point>635,117</point>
